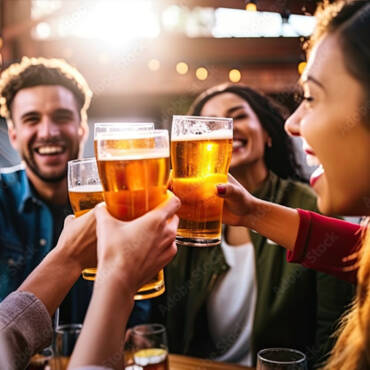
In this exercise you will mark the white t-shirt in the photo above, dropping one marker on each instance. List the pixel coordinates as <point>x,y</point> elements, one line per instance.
<point>231,305</point>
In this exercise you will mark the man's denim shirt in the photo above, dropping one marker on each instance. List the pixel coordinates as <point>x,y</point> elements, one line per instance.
<point>26,229</point>
<point>26,236</point>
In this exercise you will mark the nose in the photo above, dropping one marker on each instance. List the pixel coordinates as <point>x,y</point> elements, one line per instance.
<point>48,128</point>
<point>292,124</point>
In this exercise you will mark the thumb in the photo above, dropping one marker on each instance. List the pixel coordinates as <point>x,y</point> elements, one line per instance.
<point>229,191</point>
<point>170,206</point>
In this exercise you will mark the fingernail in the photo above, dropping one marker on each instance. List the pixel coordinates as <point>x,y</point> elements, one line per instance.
<point>221,189</point>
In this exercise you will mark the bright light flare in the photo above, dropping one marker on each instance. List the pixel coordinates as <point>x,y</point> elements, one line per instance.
<point>117,23</point>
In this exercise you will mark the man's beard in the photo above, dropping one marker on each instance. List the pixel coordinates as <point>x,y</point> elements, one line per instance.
<point>50,178</point>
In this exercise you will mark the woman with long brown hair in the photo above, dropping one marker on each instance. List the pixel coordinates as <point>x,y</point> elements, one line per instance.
<point>334,121</point>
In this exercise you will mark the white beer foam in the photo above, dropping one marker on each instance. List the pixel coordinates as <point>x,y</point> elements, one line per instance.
<point>86,188</point>
<point>132,154</point>
<point>213,135</point>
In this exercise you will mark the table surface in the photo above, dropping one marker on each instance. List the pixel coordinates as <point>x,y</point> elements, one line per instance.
<point>178,362</point>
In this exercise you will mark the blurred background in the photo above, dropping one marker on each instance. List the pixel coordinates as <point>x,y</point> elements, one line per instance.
<point>146,60</point>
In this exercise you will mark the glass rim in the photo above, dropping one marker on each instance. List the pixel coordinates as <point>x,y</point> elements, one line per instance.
<point>202,118</point>
<point>60,329</point>
<point>122,124</point>
<point>82,160</point>
<point>134,134</point>
<point>276,362</point>
<point>155,329</point>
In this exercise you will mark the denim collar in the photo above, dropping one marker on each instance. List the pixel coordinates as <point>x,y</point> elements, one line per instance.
<point>25,196</point>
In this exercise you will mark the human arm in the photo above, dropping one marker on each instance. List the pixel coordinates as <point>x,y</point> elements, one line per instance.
<point>129,254</point>
<point>327,244</point>
<point>60,269</point>
<point>274,221</point>
<point>318,242</point>
<point>25,315</point>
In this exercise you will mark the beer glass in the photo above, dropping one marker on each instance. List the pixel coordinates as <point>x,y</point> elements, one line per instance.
<point>134,170</point>
<point>65,338</point>
<point>85,192</point>
<point>281,359</point>
<point>201,150</point>
<point>148,347</point>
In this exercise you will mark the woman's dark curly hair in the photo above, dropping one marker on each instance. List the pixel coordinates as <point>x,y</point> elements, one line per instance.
<point>280,157</point>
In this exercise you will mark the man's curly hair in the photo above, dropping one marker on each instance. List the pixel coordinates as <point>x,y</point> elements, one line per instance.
<point>32,72</point>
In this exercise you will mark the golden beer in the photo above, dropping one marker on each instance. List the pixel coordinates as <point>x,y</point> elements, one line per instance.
<point>83,199</point>
<point>86,197</point>
<point>134,175</point>
<point>199,164</point>
<point>133,187</point>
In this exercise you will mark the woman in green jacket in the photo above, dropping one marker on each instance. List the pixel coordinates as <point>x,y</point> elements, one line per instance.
<point>227,303</point>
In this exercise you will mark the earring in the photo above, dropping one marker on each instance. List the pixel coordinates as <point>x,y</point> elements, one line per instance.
<point>269,142</point>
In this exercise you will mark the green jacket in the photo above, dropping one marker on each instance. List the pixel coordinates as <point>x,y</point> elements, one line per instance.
<point>296,307</point>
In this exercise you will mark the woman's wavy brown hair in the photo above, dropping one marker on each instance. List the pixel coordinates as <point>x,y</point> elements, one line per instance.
<point>349,21</point>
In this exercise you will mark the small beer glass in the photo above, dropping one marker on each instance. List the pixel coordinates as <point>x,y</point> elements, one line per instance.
<point>148,347</point>
<point>64,342</point>
<point>85,192</point>
<point>201,150</point>
<point>281,359</point>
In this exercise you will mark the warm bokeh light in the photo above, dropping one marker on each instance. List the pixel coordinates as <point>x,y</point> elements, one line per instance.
<point>182,68</point>
<point>235,75</point>
<point>201,73</point>
<point>154,64</point>
<point>42,30</point>
<point>301,67</point>
<point>251,7</point>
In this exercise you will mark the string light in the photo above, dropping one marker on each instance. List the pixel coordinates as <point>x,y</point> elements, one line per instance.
<point>154,64</point>
<point>301,67</point>
<point>235,75</point>
<point>201,73</point>
<point>182,68</point>
<point>251,6</point>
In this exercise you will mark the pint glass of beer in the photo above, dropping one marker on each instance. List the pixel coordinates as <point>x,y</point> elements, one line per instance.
<point>85,192</point>
<point>134,170</point>
<point>201,150</point>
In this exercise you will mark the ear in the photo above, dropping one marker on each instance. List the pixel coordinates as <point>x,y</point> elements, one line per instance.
<point>83,132</point>
<point>12,133</point>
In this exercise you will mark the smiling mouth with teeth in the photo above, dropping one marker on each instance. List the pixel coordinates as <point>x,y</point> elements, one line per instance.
<point>49,150</point>
<point>238,143</point>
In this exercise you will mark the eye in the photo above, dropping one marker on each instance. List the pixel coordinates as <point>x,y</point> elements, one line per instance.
<point>62,118</point>
<point>240,116</point>
<point>29,120</point>
<point>308,100</point>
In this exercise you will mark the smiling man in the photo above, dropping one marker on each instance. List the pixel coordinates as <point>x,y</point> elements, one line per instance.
<point>45,103</point>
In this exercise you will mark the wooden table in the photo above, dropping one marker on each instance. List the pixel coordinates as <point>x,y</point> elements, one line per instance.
<point>178,362</point>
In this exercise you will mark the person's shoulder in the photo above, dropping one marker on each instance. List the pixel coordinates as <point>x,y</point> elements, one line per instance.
<point>298,194</point>
<point>11,176</point>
